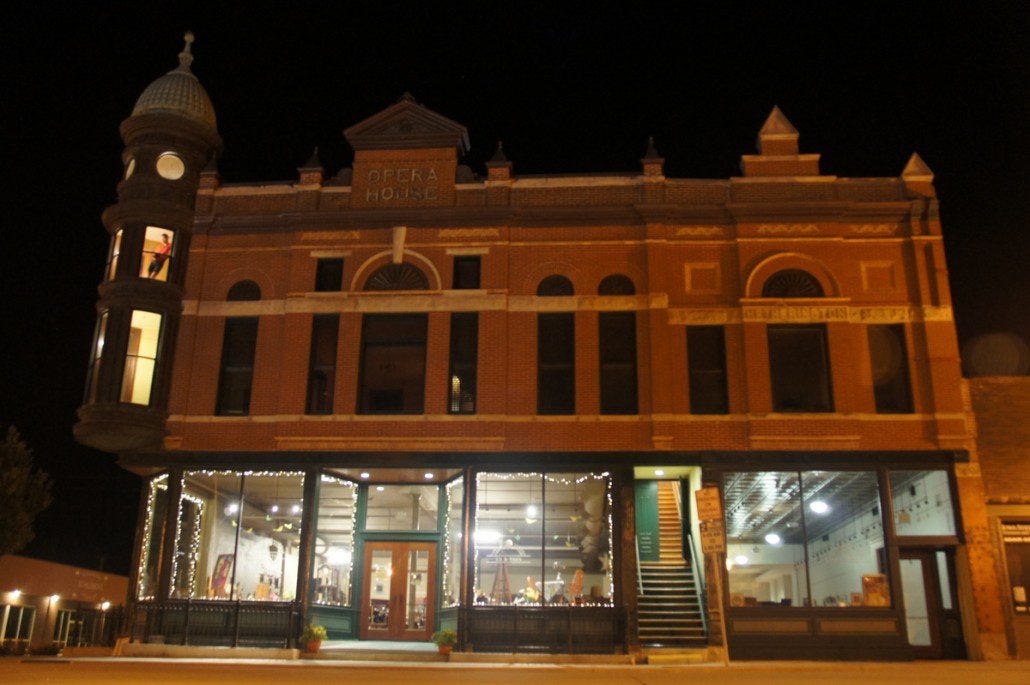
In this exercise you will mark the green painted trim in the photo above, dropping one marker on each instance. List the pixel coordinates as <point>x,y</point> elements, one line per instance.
<point>645,495</point>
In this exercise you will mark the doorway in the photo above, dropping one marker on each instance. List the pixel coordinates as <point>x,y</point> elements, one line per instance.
<point>931,603</point>
<point>398,591</point>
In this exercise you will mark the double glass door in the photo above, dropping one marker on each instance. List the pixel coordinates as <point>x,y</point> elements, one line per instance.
<point>398,593</point>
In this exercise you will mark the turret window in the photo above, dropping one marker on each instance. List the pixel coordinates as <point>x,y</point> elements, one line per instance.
<point>170,166</point>
<point>112,255</point>
<point>141,357</point>
<point>130,167</point>
<point>158,251</point>
<point>98,351</point>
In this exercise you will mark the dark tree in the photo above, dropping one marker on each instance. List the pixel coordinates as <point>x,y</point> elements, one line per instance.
<point>24,493</point>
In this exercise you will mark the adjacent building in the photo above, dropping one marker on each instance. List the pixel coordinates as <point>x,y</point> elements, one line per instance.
<point>412,396</point>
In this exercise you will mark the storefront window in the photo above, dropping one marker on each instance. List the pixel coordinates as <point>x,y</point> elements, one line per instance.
<point>153,534</point>
<point>402,507</point>
<point>844,533</point>
<point>334,542</point>
<point>140,357</point>
<point>810,538</point>
<point>765,543</point>
<point>158,252</point>
<point>922,503</point>
<point>543,539</point>
<point>453,549</point>
<point>238,536</point>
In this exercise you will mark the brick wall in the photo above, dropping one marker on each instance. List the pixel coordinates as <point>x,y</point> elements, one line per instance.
<point>1002,407</point>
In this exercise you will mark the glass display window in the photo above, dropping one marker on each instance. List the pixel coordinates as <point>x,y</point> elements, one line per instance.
<point>453,548</point>
<point>922,503</point>
<point>158,253</point>
<point>402,507</point>
<point>809,538</point>
<point>238,536</point>
<point>334,542</point>
<point>141,357</point>
<point>543,539</point>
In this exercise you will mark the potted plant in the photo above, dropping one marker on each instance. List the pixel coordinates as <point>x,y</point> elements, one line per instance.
<point>312,637</point>
<point>445,640</point>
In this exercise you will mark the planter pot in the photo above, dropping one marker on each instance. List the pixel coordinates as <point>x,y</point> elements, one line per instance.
<point>313,646</point>
<point>445,649</point>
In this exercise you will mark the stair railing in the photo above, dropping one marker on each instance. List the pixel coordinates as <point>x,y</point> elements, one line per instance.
<point>640,576</point>
<point>699,586</point>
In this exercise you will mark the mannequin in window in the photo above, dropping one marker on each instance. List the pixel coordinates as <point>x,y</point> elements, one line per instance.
<point>161,254</point>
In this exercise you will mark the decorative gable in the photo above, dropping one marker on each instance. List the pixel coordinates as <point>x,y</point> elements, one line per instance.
<point>407,125</point>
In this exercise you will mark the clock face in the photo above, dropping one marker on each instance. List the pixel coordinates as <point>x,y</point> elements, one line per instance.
<point>130,167</point>
<point>170,166</point>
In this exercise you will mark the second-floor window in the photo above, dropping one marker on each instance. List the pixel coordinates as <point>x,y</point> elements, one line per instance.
<point>329,275</point>
<point>556,352</point>
<point>393,364</point>
<point>889,361</point>
<point>799,368</point>
<point>239,342</point>
<point>322,363</point>
<point>706,363</point>
<point>461,396</point>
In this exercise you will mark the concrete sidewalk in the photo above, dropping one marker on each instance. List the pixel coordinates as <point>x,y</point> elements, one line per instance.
<point>254,672</point>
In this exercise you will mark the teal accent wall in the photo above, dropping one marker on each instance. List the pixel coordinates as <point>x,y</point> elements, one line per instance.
<point>646,504</point>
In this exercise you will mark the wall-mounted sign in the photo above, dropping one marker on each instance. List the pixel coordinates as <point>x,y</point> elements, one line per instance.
<point>713,537</point>
<point>709,506</point>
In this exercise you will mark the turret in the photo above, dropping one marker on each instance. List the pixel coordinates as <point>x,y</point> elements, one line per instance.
<point>170,137</point>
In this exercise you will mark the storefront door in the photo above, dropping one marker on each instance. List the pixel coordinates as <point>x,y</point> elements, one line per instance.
<point>398,591</point>
<point>931,608</point>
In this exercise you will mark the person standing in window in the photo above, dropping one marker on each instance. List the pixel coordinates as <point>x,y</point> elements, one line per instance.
<point>161,254</point>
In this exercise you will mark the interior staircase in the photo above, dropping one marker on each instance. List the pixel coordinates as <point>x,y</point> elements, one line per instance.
<point>668,605</point>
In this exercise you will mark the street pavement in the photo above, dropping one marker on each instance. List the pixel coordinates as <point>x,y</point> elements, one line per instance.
<point>253,672</point>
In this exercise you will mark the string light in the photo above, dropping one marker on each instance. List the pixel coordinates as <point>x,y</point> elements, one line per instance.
<point>160,482</point>
<point>193,554</point>
<point>448,543</point>
<point>353,526</point>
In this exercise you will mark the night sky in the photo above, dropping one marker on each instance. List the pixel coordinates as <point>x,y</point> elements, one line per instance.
<point>569,88</point>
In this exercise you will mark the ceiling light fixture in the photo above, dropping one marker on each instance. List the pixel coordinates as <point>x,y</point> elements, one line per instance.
<point>379,488</point>
<point>429,476</point>
<point>740,560</point>
<point>773,539</point>
<point>659,472</point>
<point>819,506</point>
<point>365,475</point>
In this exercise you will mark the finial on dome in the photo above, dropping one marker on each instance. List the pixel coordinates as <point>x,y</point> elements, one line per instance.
<point>186,56</point>
<point>407,97</point>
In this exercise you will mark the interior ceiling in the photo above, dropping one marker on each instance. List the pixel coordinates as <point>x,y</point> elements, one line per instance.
<point>385,475</point>
<point>758,503</point>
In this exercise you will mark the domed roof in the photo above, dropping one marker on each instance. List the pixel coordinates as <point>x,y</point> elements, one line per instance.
<point>178,92</point>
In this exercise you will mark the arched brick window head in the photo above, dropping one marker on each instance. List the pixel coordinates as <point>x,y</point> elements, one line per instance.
<point>555,286</point>
<point>402,276</point>
<point>616,284</point>
<point>244,291</point>
<point>792,283</point>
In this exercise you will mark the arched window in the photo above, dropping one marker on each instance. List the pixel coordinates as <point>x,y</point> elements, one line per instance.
<point>556,352</point>
<point>239,341</point>
<point>555,286</point>
<point>792,283</point>
<point>402,276</point>
<point>616,284</point>
<point>244,291</point>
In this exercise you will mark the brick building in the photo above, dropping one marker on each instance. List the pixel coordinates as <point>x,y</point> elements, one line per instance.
<point>1001,405</point>
<point>411,396</point>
